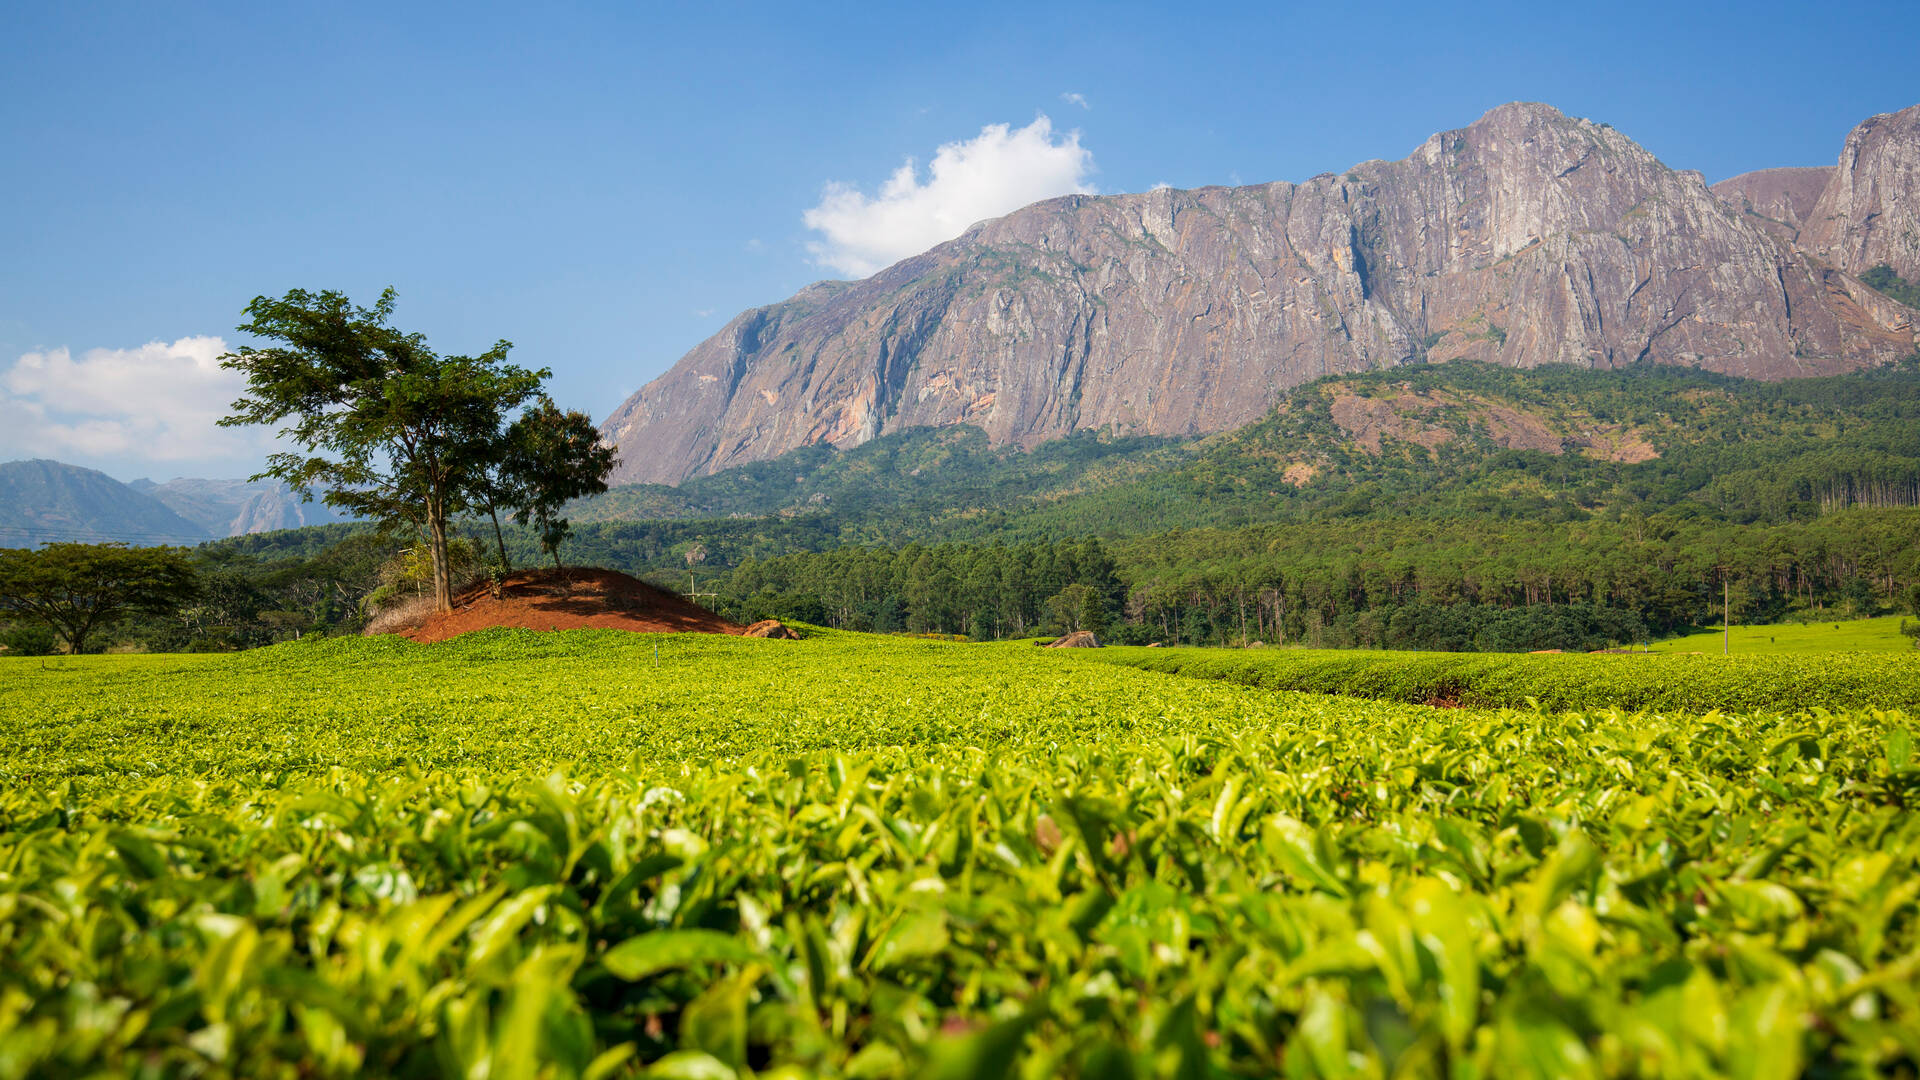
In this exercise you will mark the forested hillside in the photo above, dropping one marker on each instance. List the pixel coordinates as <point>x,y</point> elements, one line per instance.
<point>1423,440</point>
<point>1446,506</point>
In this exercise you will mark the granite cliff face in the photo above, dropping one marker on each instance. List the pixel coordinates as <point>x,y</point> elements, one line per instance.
<point>1786,196</point>
<point>1525,238</point>
<point>1869,213</point>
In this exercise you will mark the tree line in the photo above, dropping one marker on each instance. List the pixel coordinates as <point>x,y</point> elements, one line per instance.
<point>1430,584</point>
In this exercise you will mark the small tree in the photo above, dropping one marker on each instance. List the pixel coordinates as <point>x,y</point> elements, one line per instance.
<point>551,457</point>
<point>1077,607</point>
<point>393,431</point>
<point>79,590</point>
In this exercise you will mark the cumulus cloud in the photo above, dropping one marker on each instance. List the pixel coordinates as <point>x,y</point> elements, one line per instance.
<point>1076,99</point>
<point>998,171</point>
<point>155,403</point>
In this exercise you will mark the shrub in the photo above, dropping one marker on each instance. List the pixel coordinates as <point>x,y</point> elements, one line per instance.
<point>28,639</point>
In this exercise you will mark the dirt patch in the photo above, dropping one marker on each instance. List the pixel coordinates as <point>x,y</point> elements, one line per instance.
<point>1516,430</point>
<point>772,628</point>
<point>570,600</point>
<point>1402,416</point>
<point>1619,444</point>
<point>1299,474</point>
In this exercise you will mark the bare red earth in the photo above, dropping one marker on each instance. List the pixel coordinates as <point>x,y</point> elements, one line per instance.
<point>572,599</point>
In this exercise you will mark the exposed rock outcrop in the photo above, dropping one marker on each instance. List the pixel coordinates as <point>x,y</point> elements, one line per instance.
<point>1783,195</point>
<point>1525,238</point>
<point>1869,213</point>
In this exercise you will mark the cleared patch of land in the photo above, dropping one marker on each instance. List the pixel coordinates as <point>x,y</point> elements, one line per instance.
<point>1686,683</point>
<point>1851,635</point>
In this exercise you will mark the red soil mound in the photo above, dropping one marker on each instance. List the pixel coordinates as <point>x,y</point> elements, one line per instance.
<point>571,599</point>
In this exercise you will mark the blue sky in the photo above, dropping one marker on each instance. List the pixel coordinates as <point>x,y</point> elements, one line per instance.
<point>606,184</point>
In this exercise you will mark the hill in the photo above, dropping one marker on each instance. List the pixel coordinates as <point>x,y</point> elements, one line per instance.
<point>42,501</point>
<point>1523,239</point>
<point>1460,439</point>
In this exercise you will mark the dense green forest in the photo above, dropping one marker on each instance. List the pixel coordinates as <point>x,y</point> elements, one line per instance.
<point>1415,507</point>
<point>1412,583</point>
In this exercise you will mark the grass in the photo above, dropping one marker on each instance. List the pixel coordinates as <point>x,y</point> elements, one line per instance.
<point>1853,635</point>
<point>1663,683</point>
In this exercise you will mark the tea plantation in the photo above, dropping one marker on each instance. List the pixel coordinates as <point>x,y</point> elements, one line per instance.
<point>558,855</point>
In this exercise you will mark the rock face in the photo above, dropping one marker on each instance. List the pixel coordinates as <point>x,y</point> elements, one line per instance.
<point>1525,238</point>
<point>1787,196</point>
<point>1870,212</point>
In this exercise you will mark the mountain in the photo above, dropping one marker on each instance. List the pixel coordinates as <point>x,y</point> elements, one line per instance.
<point>1471,443</point>
<point>43,501</point>
<point>237,507</point>
<point>1525,238</point>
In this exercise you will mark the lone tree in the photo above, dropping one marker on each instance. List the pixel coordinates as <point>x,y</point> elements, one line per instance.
<point>549,458</point>
<point>393,431</point>
<point>79,590</point>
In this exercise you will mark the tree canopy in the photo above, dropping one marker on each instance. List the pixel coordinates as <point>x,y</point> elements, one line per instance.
<point>79,590</point>
<point>393,431</point>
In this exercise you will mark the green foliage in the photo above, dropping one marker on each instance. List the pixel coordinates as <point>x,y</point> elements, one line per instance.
<point>348,858</point>
<point>1883,278</point>
<point>1076,607</point>
<point>950,472</point>
<point>394,432</point>
<point>1804,490</point>
<point>548,458</point>
<point>1803,635</point>
<point>1450,584</point>
<point>1634,682</point>
<point>79,591</point>
<point>28,639</point>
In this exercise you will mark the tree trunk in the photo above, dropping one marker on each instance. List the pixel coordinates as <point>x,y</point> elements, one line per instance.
<point>505,566</point>
<point>437,546</point>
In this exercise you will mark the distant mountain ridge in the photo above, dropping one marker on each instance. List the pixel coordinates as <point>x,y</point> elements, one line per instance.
<point>1525,238</point>
<point>238,507</point>
<point>44,501</point>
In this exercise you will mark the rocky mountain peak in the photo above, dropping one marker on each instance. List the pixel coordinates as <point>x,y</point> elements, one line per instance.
<point>1524,238</point>
<point>1869,214</point>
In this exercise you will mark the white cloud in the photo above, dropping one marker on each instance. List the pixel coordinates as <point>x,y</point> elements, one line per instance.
<point>998,171</point>
<point>1076,99</point>
<point>157,403</point>
<point>1161,186</point>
